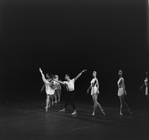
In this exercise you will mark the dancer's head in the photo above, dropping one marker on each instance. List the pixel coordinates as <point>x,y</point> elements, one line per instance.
<point>48,77</point>
<point>94,73</point>
<point>120,73</point>
<point>67,77</point>
<point>56,77</point>
<point>146,73</point>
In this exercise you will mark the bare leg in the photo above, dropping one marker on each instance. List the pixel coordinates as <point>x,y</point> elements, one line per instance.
<point>95,104</point>
<point>98,104</point>
<point>121,104</point>
<point>59,94</point>
<point>47,103</point>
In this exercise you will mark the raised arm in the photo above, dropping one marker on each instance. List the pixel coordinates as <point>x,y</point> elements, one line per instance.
<point>79,74</point>
<point>43,77</point>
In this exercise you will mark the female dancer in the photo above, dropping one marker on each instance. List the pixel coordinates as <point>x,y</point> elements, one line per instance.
<point>122,92</point>
<point>70,85</point>
<point>145,84</point>
<point>94,93</point>
<point>57,93</point>
<point>49,88</point>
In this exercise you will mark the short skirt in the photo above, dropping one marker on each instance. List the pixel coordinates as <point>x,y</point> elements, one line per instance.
<point>120,91</point>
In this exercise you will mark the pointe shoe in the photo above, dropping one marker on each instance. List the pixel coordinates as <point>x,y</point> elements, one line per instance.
<point>93,114</point>
<point>121,113</point>
<point>74,113</point>
<point>46,108</point>
<point>103,113</point>
<point>62,110</point>
<point>129,111</point>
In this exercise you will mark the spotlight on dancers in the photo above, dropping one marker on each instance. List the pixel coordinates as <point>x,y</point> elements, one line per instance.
<point>49,88</point>
<point>145,84</point>
<point>122,92</point>
<point>70,85</point>
<point>94,86</point>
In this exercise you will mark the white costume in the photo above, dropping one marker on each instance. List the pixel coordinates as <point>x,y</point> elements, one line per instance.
<point>70,84</point>
<point>49,89</point>
<point>146,84</point>
<point>121,86</point>
<point>94,88</point>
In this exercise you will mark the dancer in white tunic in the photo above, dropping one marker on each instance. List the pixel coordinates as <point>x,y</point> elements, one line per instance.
<point>145,84</point>
<point>70,85</point>
<point>49,88</point>
<point>122,92</point>
<point>94,93</point>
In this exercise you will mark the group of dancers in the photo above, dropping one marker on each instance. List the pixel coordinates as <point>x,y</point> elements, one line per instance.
<point>53,91</point>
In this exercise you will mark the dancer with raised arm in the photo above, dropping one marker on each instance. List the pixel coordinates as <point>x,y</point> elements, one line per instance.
<point>145,84</point>
<point>94,86</point>
<point>49,88</point>
<point>70,85</point>
<point>122,92</point>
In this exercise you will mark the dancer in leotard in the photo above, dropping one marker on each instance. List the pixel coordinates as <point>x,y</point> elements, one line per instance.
<point>70,85</point>
<point>145,84</point>
<point>94,86</point>
<point>122,92</point>
<point>58,89</point>
<point>49,88</point>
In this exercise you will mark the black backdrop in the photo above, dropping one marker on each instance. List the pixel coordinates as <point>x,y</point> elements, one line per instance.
<point>66,36</point>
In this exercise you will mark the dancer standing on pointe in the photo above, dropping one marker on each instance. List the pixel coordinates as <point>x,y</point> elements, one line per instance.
<point>94,93</point>
<point>49,88</point>
<point>122,92</point>
<point>70,85</point>
<point>145,84</point>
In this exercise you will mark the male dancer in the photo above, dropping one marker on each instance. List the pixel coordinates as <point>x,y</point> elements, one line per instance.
<point>70,85</point>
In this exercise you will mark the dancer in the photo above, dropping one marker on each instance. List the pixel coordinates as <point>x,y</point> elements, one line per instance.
<point>145,84</point>
<point>57,93</point>
<point>49,88</point>
<point>122,92</point>
<point>94,93</point>
<point>70,85</point>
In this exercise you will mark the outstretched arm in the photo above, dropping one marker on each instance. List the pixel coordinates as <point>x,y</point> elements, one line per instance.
<point>61,82</point>
<point>79,74</point>
<point>42,75</point>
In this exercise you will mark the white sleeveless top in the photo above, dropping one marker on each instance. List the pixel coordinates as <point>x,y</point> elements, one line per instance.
<point>121,86</point>
<point>94,88</point>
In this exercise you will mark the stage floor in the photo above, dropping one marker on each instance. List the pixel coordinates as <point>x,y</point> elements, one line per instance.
<point>29,121</point>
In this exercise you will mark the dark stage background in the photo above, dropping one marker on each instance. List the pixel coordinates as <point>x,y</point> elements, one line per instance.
<point>66,36</point>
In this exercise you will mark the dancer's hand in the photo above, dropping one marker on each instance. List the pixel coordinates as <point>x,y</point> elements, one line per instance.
<point>40,69</point>
<point>125,92</point>
<point>84,70</point>
<point>87,91</point>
